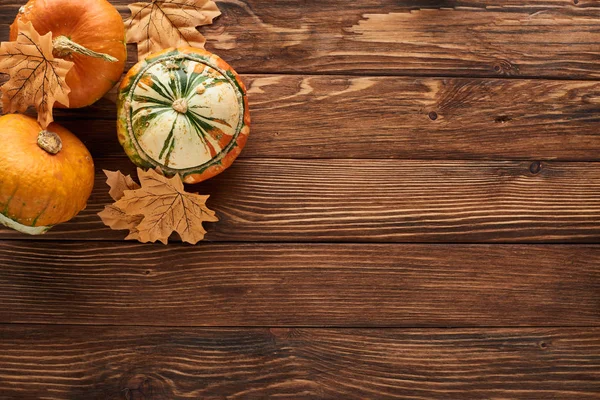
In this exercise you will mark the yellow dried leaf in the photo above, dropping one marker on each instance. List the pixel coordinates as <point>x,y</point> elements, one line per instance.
<point>160,24</point>
<point>36,77</point>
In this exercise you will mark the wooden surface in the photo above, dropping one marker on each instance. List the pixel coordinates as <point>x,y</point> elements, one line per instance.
<point>370,285</point>
<point>514,38</point>
<point>416,216</point>
<point>106,363</point>
<point>301,116</point>
<point>275,200</point>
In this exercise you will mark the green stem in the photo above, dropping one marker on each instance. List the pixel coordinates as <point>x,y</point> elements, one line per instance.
<point>63,46</point>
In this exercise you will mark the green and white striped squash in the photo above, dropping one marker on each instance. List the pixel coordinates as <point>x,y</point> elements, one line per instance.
<point>184,110</point>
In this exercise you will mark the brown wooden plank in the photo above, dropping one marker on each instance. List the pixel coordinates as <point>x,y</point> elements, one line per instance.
<point>299,285</point>
<point>460,38</point>
<point>106,363</point>
<point>391,117</point>
<point>383,201</point>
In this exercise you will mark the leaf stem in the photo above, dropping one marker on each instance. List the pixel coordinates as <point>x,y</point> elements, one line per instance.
<point>63,46</point>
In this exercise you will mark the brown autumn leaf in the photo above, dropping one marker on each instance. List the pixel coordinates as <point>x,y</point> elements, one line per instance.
<point>158,208</point>
<point>119,183</point>
<point>117,219</point>
<point>36,77</point>
<point>160,24</point>
<point>166,208</point>
<point>114,217</point>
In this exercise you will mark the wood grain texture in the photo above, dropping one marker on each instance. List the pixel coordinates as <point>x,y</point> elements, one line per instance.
<point>299,285</point>
<point>406,118</point>
<point>110,363</point>
<point>477,123</point>
<point>274,200</point>
<point>365,117</point>
<point>524,38</point>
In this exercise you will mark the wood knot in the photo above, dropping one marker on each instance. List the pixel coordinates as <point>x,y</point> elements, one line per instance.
<point>282,333</point>
<point>180,105</point>
<point>505,67</point>
<point>433,115</point>
<point>143,387</point>
<point>502,119</point>
<point>535,167</point>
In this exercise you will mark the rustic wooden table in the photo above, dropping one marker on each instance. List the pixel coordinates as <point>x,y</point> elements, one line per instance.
<point>416,215</point>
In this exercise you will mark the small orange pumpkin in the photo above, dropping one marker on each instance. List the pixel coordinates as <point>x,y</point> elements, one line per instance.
<point>89,33</point>
<point>47,175</point>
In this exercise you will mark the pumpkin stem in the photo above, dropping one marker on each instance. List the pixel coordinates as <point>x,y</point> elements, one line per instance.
<point>180,105</point>
<point>49,142</point>
<point>63,46</point>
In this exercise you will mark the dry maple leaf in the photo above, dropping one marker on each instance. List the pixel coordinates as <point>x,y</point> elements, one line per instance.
<point>166,208</point>
<point>36,77</point>
<point>158,208</point>
<point>160,24</point>
<point>117,219</point>
<point>119,183</point>
<point>114,217</point>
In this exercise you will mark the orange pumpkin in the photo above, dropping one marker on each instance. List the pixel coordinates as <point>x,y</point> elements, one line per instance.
<point>47,175</point>
<point>89,33</point>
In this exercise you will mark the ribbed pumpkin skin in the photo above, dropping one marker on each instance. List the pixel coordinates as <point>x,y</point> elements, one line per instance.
<point>198,143</point>
<point>40,189</point>
<point>94,24</point>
